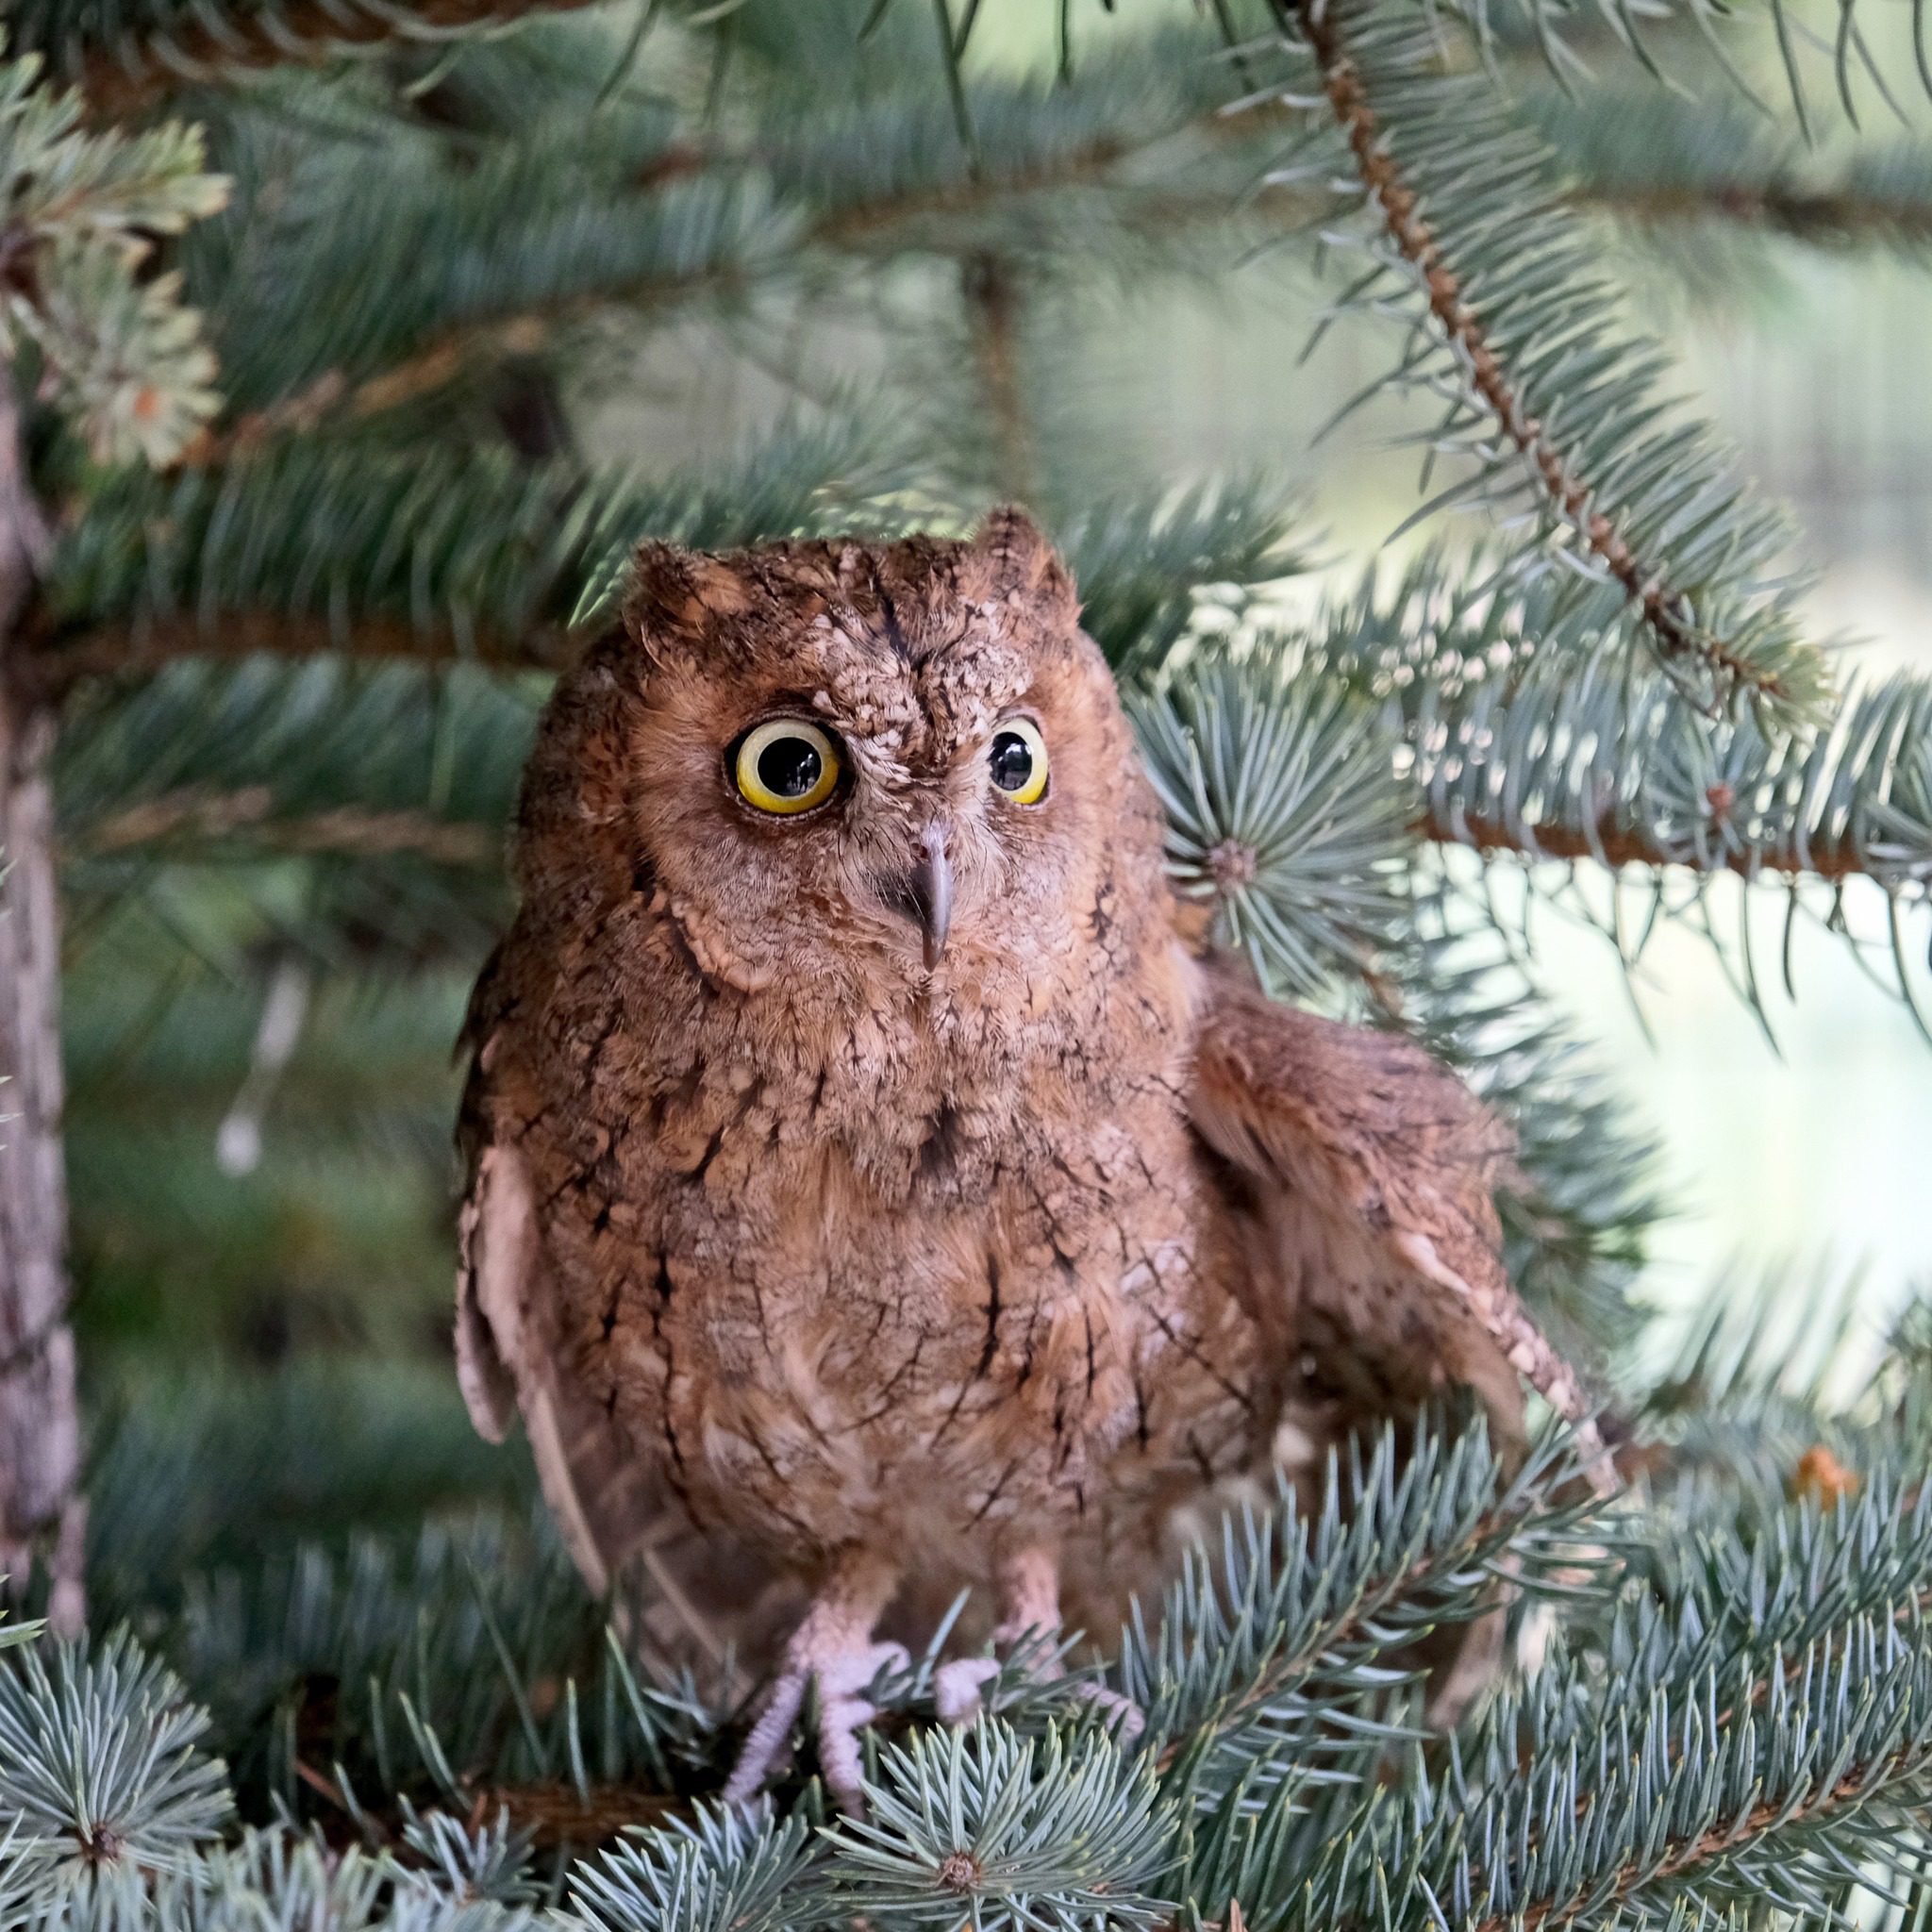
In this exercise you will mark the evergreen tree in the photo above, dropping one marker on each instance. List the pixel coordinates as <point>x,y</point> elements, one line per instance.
<point>317,315</point>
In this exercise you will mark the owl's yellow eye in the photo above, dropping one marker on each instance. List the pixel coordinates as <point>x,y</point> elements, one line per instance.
<point>1018,757</point>
<point>786,766</point>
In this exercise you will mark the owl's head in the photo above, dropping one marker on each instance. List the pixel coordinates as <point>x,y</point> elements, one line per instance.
<point>893,763</point>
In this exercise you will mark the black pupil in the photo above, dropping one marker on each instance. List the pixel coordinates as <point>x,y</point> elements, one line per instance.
<point>1012,761</point>
<point>789,767</point>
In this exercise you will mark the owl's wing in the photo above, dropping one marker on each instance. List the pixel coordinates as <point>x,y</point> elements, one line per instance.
<point>1361,1176</point>
<point>710,1596</point>
<point>507,1349</point>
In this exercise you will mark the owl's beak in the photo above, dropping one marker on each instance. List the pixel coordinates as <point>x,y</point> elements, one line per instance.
<point>932,892</point>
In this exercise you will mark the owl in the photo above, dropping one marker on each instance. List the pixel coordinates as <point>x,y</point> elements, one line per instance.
<point>874,1180</point>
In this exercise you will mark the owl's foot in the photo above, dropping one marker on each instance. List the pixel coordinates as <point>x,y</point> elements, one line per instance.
<point>845,1711</point>
<point>1029,1590</point>
<point>832,1652</point>
<point>959,1692</point>
<point>958,1689</point>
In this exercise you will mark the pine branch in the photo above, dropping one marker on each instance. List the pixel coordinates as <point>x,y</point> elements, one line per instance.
<point>1250,1655</point>
<point>569,223</point>
<point>1519,741</point>
<point>315,547</point>
<point>248,821</point>
<point>127,55</point>
<point>118,354</point>
<point>1283,814</point>
<point>1543,400</point>
<point>1654,160</point>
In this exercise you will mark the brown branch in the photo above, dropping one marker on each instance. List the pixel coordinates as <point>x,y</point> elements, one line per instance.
<point>1408,228</point>
<point>995,311</point>
<point>121,80</point>
<point>1618,846</point>
<point>1821,216</point>
<point>1765,1816</point>
<point>529,331</point>
<point>120,650</point>
<point>1853,1786</point>
<point>250,813</point>
<point>1374,1596</point>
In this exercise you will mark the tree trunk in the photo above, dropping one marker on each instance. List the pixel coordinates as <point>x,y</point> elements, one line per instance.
<point>40,1513</point>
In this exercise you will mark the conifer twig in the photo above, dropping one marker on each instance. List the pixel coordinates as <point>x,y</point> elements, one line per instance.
<point>1822,215</point>
<point>1570,493</point>
<point>250,813</point>
<point>131,74</point>
<point>129,650</point>
<point>530,331</point>
<point>1618,845</point>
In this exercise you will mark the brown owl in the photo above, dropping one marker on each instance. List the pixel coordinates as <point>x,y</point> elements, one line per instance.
<point>866,1175</point>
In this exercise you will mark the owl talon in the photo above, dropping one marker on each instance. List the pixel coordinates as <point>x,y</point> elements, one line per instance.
<point>958,1694</point>
<point>958,1689</point>
<point>841,1679</point>
<point>1124,1717</point>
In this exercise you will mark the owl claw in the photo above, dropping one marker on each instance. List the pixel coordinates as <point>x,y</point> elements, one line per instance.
<point>958,1689</point>
<point>842,1678</point>
<point>959,1692</point>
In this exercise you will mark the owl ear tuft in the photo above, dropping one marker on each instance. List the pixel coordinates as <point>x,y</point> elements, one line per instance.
<point>1023,567</point>
<point>683,592</point>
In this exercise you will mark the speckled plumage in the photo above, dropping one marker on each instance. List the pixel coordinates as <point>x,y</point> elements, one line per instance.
<point>878,1272</point>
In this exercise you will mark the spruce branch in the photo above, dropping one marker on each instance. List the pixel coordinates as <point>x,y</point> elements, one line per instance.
<point>1567,38</point>
<point>1283,812</point>
<point>1522,735</point>
<point>248,821</point>
<point>125,56</point>
<point>1579,1212</point>
<point>1750,1728</point>
<point>1005,1833</point>
<point>1543,402</point>
<point>1143,560</point>
<point>723,1870</point>
<point>1730,1795</point>
<point>316,547</point>
<point>1295,1617</point>
<point>575,228</point>
<point>570,225</point>
<point>1854,800</point>
<point>101,1762</point>
<point>316,1668</point>
<point>1658,162</point>
<point>119,353</point>
<point>1507,719</point>
<point>364,274</point>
